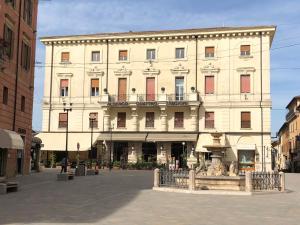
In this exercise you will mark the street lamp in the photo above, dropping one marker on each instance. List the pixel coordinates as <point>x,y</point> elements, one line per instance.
<point>110,147</point>
<point>67,109</point>
<point>183,144</point>
<point>92,119</point>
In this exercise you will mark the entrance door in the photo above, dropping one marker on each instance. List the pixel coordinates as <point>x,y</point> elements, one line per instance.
<point>177,154</point>
<point>149,152</point>
<point>19,161</point>
<point>2,162</point>
<point>121,153</point>
<point>150,89</point>
<point>122,89</point>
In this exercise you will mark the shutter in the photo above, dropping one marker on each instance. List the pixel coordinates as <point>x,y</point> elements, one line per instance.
<point>246,116</point>
<point>63,117</point>
<point>95,83</point>
<point>122,89</point>
<point>209,84</point>
<point>245,83</point>
<point>209,116</point>
<point>245,48</point>
<point>150,89</point>
<point>65,56</point>
<point>64,83</point>
<point>209,50</point>
<point>123,55</point>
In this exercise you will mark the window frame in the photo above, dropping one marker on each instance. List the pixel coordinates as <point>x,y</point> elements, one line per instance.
<point>94,90</point>
<point>209,55</point>
<point>62,60</point>
<point>121,124</point>
<point>209,124</point>
<point>245,53</point>
<point>205,86</point>
<point>28,11</point>
<point>241,84</point>
<point>23,103</point>
<point>245,124</point>
<point>150,123</point>
<point>11,2</point>
<point>26,56</point>
<point>151,54</point>
<point>64,90</point>
<point>123,59</point>
<point>184,53</point>
<point>92,58</point>
<point>8,50</point>
<point>178,121</point>
<point>95,122</point>
<point>61,123</point>
<point>5,95</point>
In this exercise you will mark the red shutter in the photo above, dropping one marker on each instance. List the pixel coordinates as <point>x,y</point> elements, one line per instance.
<point>65,56</point>
<point>150,89</point>
<point>122,89</point>
<point>209,85</point>
<point>245,83</point>
<point>64,83</point>
<point>95,83</point>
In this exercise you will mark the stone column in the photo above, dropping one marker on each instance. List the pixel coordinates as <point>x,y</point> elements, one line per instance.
<point>156,177</point>
<point>282,181</point>
<point>248,182</point>
<point>191,180</point>
<point>163,117</point>
<point>194,116</point>
<point>106,120</point>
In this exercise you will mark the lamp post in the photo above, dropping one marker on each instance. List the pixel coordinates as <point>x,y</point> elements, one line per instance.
<point>92,119</point>
<point>110,147</point>
<point>67,109</point>
<point>183,144</point>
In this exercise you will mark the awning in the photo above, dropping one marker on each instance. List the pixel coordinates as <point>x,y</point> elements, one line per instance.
<point>57,141</point>
<point>122,136</point>
<point>10,139</point>
<point>246,147</point>
<point>156,137</point>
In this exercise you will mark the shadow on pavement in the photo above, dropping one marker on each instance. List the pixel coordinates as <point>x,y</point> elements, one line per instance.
<point>42,199</point>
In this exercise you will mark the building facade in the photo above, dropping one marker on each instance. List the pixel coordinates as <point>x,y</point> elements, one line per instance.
<point>17,53</point>
<point>289,137</point>
<point>157,96</point>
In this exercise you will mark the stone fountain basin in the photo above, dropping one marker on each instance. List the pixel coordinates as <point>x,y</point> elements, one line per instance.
<point>234,183</point>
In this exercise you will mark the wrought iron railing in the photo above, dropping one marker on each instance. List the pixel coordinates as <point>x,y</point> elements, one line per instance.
<point>118,98</point>
<point>147,97</point>
<point>290,115</point>
<point>174,178</point>
<point>266,181</point>
<point>177,97</point>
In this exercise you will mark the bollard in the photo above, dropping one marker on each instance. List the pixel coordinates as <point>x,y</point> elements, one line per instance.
<point>248,182</point>
<point>282,181</point>
<point>156,177</point>
<point>192,180</point>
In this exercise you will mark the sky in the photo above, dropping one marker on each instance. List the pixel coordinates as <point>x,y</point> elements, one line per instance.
<point>68,17</point>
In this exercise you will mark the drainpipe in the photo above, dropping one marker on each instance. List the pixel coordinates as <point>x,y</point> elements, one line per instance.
<point>51,78</point>
<point>196,80</point>
<point>107,55</point>
<point>17,66</point>
<point>261,108</point>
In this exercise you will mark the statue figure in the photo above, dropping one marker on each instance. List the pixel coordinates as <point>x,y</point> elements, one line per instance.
<point>232,169</point>
<point>201,169</point>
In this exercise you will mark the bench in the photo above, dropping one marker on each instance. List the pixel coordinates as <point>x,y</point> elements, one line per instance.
<point>8,186</point>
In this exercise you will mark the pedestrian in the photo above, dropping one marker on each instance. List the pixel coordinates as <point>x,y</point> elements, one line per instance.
<point>63,165</point>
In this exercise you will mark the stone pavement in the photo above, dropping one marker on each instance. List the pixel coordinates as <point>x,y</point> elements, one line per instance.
<point>125,197</point>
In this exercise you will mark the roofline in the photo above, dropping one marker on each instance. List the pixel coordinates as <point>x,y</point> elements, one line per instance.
<point>194,31</point>
<point>282,127</point>
<point>293,99</point>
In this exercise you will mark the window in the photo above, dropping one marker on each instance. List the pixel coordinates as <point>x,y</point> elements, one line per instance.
<point>179,53</point>
<point>25,56</point>
<point>27,11</point>
<point>11,2</point>
<point>94,120</point>
<point>94,87</point>
<point>63,120</point>
<point>178,120</point>
<point>149,119</point>
<point>5,96</point>
<point>65,57</point>
<point>245,83</point>
<point>179,88</point>
<point>23,103</point>
<point>123,55</point>
<point>121,123</point>
<point>8,41</point>
<point>150,54</point>
<point>96,56</point>
<point>209,85</point>
<point>245,120</point>
<point>64,87</point>
<point>209,120</point>
<point>209,52</point>
<point>245,50</point>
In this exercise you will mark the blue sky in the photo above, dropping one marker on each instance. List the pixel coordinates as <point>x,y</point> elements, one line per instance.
<point>62,17</point>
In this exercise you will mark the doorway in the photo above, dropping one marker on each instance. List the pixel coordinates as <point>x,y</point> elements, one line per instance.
<point>3,153</point>
<point>120,153</point>
<point>149,151</point>
<point>177,154</point>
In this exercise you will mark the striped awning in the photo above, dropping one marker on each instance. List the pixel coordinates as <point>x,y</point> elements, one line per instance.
<point>10,139</point>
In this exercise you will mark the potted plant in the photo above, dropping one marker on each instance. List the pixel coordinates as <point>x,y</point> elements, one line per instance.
<point>105,90</point>
<point>193,89</point>
<point>133,90</point>
<point>162,89</point>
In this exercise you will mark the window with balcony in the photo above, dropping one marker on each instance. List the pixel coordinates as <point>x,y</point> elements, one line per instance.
<point>27,11</point>
<point>23,103</point>
<point>121,123</point>
<point>179,88</point>
<point>245,83</point>
<point>149,119</point>
<point>150,54</point>
<point>26,54</point>
<point>64,87</point>
<point>94,87</point>
<point>63,120</point>
<point>5,95</point>
<point>179,53</point>
<point>209,85</point>
<point>123,55</point>
<point>245,119</point>
<point>245,50</point>
<point>8,37</point>
<point>93,120</point>
<point>209,120</point>
<point>65,57</point>
<point>11,2</point>
<point>95,56</point>
<point>209,52</point>
<point>179,120</point>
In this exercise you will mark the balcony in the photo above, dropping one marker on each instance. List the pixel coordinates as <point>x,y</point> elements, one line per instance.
<point>290,115</point>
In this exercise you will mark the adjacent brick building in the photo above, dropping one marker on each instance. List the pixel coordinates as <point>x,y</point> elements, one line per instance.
<point>17,52</point>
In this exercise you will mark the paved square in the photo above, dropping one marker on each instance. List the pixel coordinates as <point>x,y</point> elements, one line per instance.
<point>125,197</point>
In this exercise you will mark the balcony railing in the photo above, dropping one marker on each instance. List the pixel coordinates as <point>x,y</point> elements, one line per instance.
<point>290,115</point>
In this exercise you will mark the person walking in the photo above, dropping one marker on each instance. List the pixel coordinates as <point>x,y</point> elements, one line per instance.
<point>63,165</point>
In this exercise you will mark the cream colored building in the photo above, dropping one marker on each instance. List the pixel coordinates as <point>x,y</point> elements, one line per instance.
<point>158,95</point>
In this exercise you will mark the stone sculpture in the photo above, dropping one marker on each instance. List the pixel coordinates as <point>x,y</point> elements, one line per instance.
<point>232,169</point>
